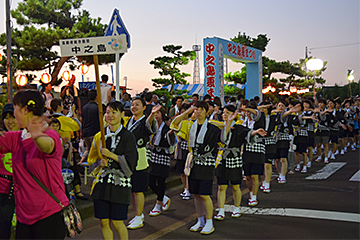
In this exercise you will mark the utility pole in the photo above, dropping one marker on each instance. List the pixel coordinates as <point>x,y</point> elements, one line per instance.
<point>8,52</point>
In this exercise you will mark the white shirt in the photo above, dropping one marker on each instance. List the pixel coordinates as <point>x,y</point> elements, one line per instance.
<point>104,93</point>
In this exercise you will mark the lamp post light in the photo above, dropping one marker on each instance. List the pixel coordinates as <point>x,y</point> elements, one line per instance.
<point>351,78</point>
<point>313,65</point>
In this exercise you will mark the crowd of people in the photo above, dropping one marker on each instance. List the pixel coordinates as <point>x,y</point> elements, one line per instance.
<point>211,141</point>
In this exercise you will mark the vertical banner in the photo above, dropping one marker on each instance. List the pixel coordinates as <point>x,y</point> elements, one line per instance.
<point>211,60</point>
<point>221,74</point>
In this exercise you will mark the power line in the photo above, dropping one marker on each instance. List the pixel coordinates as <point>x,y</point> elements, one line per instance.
<point>333,46</point>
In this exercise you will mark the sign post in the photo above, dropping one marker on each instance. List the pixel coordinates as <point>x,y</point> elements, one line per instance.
<point>95,46</point>
<point>117,27</point>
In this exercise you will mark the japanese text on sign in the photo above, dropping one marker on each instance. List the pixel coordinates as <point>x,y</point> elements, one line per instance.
<point>93,45</point>
<point>210,69</point>
<point>240,51</point>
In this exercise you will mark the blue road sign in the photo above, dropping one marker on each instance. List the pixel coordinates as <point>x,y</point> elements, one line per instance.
<point>117,27</point>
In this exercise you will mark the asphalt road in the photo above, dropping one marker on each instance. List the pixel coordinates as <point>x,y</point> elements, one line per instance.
<point>324,206</point>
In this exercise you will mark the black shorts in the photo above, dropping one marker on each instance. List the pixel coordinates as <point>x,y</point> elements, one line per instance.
<point>180,165</point>
<point>200,187</point>
<point>269,157</point>
<point>109,210</point>
<point>140,181</point>
<point>311,142</point>
<point>348,133</point>
<point>334,138</point>
<point>356,132</point>
<point>341,133</point>
<point>282,153</point>
<point>253,169</point>
<point>301,147</point>
<point>221,181</point>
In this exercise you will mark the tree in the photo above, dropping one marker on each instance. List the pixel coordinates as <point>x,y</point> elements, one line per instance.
<point>44,23</point>
<point>169,70</point>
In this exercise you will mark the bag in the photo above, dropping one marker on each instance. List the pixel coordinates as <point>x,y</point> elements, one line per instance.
<point>71,215</point>
<point>72,220</point>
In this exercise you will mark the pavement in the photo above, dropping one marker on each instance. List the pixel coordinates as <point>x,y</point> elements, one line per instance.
<point>320,204</point>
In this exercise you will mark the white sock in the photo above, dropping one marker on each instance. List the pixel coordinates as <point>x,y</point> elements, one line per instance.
<point>251,195</point>
<point>187,193</point>
<point>157,207</point>
<point>165,199</point>
<point>263,183</point>
<point>254,197</point>
<point>267,185</point>
<point>298,165</point>
<point>221,212</point>
<point>138,219</point>
<point>236,209</point>
<point>201,220</point>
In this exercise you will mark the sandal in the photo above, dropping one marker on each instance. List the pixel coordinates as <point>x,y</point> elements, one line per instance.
<point>82,197</point>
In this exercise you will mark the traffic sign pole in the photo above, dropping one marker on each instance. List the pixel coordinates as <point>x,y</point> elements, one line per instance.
<point>98,90</point>
<point>117,76</point>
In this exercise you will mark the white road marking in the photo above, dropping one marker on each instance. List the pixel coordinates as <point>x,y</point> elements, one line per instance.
<point>356,177</point>
<point>326,171</point>
<point>292,212</point>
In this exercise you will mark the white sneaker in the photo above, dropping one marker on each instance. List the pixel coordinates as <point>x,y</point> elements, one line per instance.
<point>332,156</point>
<point>326,160</point>
<point>345,149</point>
<point>308,164</point>
<point>318,159</point>
<point>348,144</point>
<point>342,152</point>
<point>330,152</point>
<point>304,170</point>
<point>353,148</point>
<point>337,152</point>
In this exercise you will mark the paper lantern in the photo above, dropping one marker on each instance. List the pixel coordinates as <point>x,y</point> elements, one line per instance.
<point>45,78</point>
<point>84,69</point>
<point>66,75</point>
<point>21,80</point>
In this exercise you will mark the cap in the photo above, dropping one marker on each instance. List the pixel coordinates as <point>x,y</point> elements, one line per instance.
<point>7,108</point>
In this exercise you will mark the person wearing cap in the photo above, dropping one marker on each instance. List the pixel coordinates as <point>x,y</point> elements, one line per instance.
<point>7,202</point>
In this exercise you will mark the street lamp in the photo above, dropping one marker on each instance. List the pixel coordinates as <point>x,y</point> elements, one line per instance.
<point>313,65</point>
<point>351,78</point>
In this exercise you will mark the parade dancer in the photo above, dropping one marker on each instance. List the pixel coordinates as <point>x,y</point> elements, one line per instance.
<point>282,129</point>
<point>142,127</point>
<point>253,151</point>
<point>181,153</point>
<point>270,144</point>
<point>111,190</point>
<point>203,138</point>
<point>230,166</point>
<point>160,145</point>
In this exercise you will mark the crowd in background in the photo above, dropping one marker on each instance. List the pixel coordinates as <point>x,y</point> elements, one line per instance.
<point>227,142</point>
